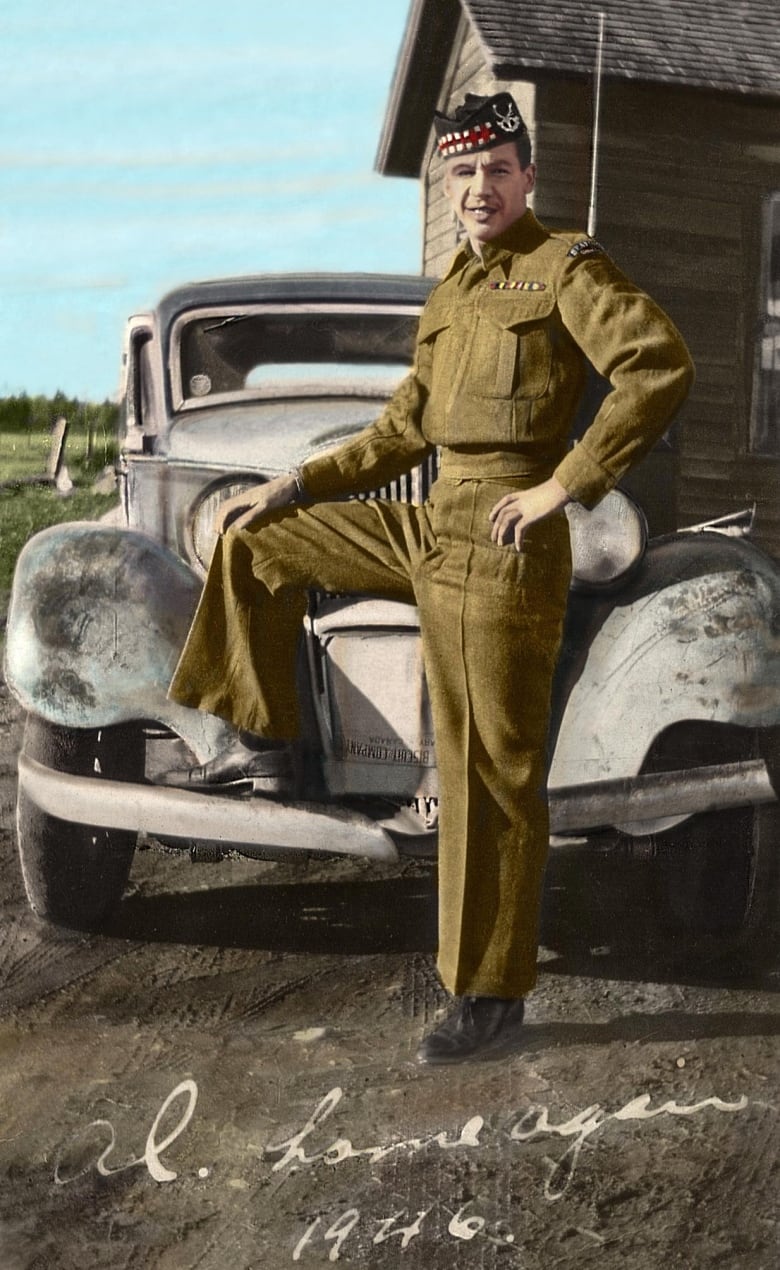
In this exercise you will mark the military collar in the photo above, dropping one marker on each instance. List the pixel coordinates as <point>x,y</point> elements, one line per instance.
<point>523,236</point>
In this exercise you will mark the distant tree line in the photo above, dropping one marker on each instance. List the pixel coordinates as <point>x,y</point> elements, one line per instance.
<point>23,413</point>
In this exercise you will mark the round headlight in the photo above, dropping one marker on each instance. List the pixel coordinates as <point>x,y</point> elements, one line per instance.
<point>608,543</point>
<point>201,528</point>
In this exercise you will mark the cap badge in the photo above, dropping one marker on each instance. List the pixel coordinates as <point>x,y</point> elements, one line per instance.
<point>510,121</point>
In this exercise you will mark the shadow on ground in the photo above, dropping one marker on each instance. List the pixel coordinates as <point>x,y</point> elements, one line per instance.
<point>358,916</point>
<point>600,919</point>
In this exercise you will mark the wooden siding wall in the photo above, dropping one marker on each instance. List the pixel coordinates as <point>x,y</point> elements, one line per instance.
<point>683,177</point>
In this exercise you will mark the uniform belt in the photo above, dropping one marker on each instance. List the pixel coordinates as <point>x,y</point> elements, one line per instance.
<point>484,465</point>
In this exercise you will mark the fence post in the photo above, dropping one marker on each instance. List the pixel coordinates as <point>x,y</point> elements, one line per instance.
<point>57,448</point>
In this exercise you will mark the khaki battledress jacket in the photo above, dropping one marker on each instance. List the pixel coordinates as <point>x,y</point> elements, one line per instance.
<point>500,371</point>
<point>498,374</point>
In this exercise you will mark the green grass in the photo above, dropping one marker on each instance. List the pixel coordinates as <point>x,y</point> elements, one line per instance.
<point>26,509</point>
<point>25,452</point>
<point>29,509</point>
<point>22,454</point>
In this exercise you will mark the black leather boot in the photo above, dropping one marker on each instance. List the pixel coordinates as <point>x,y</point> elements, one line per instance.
<point>477,1026</point>
<point>263,768</point>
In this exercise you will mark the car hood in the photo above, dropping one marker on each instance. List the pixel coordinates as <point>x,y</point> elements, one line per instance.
<point>273,434</point>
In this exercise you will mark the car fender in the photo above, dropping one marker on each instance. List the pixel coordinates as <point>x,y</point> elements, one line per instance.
<point>97,619</point>
<point>694,636</point>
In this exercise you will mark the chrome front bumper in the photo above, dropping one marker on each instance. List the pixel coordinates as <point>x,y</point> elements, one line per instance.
<point>304,826</point>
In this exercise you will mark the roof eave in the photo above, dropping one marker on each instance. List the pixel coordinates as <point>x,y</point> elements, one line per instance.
<point>540,73</point>
<point>414,91</point>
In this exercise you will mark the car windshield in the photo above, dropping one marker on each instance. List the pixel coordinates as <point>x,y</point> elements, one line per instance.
<point>272,351</point>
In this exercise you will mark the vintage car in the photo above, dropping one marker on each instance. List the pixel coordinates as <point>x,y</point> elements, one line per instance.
<point>667,700</point>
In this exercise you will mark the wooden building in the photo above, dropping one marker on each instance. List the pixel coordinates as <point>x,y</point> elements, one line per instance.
<point>688,192</point>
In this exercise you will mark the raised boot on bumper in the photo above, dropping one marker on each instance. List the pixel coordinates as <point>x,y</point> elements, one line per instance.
<point>249,760</point>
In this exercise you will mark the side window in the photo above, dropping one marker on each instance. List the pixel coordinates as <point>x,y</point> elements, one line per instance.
<point>138,412</point>
<point>765,420</point>
<point>145,388</point>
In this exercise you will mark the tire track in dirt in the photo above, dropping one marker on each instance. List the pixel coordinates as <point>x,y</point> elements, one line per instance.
<point>36,962</point>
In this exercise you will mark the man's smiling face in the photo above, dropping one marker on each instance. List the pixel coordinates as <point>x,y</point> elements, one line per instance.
<point>488,190</point>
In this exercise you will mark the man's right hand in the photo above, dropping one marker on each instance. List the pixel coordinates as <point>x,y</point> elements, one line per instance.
<point>242,510</point>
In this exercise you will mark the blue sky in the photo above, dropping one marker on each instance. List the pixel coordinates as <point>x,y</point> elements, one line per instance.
<point>150,143</point>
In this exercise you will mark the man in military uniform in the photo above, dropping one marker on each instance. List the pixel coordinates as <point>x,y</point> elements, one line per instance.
<point>499,370</point>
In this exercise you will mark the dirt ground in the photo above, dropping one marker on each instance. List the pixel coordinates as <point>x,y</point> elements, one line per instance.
<point>227,1078</point>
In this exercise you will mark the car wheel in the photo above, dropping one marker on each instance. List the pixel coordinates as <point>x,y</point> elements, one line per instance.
<point>718,872</point>
<point>712,871</point>
<point>74,874</point>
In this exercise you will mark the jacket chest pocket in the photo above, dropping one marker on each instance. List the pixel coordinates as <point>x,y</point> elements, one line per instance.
<point>441,345</point>
<point>511,352</point>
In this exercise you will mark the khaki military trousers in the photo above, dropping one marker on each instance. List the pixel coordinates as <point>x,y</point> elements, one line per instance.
<point>491,621</point>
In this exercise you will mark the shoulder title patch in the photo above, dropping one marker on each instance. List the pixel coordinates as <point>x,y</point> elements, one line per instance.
<point>517,286</point>
<point>586,247</point>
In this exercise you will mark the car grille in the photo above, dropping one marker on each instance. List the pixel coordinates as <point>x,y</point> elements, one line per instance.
<point>412,487</point>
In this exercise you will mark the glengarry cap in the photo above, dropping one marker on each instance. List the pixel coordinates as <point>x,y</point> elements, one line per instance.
<point>479,124</point>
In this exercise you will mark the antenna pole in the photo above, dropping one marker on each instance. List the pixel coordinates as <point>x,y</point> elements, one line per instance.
<point>596,126</point>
